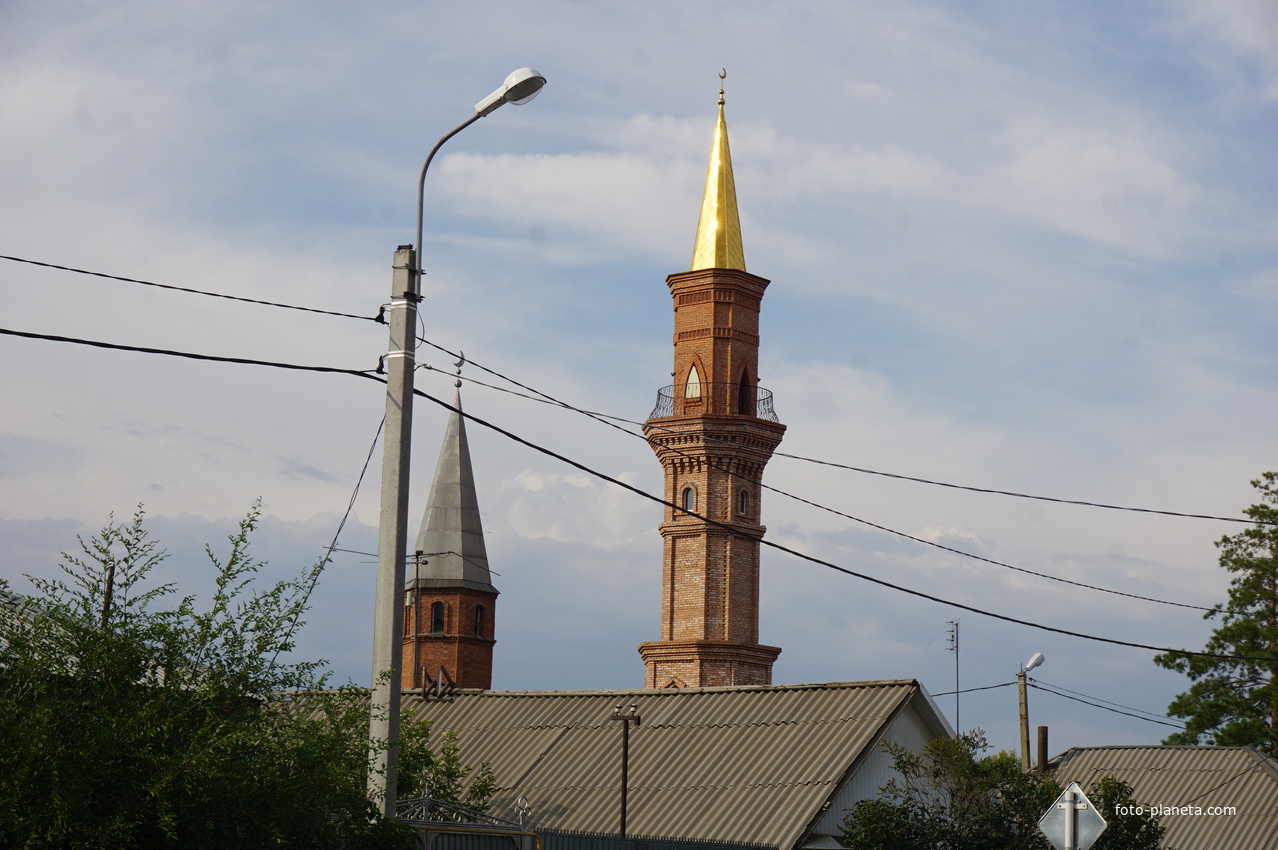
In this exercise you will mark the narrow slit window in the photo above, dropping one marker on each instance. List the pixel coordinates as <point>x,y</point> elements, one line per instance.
<point>692,389</point>
<point>479,621</point>
<point>437,618</point>
<point>743,503</point>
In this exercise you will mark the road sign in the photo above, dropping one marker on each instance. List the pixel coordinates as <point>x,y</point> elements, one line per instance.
<point>1072,823</point>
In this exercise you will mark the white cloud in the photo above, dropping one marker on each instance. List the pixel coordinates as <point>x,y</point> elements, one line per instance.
<point>1261,288</point>
<point>1246,28</point>
<point>608,197</point>
<point>1091,182</point>
<point>571,508</point>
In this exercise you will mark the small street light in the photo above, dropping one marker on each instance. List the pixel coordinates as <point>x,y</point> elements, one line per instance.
<point>1034,661</point>
<point>392,540</point>
<point>626,720</point>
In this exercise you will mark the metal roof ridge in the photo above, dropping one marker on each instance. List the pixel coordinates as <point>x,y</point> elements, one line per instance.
<point>677,691</point>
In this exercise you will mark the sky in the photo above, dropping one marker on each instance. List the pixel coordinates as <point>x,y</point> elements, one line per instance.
<point>1028,247</point>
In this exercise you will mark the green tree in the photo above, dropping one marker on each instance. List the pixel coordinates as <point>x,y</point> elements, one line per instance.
<point>125,723</point>
<point>1126,831</point>
<point>950,797</point>
<point>1234,702</point>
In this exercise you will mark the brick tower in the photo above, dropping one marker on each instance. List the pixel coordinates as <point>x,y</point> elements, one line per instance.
<point>713,431</point>
<point>448,615</point>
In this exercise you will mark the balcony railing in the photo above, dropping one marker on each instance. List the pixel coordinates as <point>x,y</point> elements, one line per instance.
<point>715,399</point>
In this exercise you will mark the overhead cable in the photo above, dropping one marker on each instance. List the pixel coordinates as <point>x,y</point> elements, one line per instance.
<point>370,374</point>
<point>188,289</point>
<point>970,690</point>
<point>821,562</point>
<point>549,399</point>
<point>603,420</point>
<point>332,547</point>
<point>363,373</point>
<point>1099,699</point>
<point>1107,708</point>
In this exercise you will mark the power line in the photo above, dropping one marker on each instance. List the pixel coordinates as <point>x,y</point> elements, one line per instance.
<point>1107,708</point>
<point>601,418</point>
<point>1017,495</point>
<point>363,373</point>
<point>971,690</point>
<point>332,547</point>
<point>1098,699</point>
<point>350,506</point>
<point>813,559</point>
<point>550,399</point>
<point>188,289</point>
<point>644,494</point>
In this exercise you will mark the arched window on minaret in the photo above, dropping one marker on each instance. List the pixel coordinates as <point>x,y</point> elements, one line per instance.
<point>692,389</point>
<point>689,500</point>
<point>743,502</point>
<point>437,618</point>
<point>745,395</point>
<point>479,621</point>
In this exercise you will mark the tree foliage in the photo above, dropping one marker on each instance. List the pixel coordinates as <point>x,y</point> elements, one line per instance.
<point>1234,701</point>
<point>949,797</point>
<point>1126,831</point>
<point>125,723</point>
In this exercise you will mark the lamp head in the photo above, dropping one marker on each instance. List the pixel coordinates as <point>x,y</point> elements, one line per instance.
<point>519,88</point>
<point>1036,660</point>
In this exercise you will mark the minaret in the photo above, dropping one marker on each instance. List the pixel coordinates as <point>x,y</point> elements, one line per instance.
<point>713,431</point>
<point>448,615</point>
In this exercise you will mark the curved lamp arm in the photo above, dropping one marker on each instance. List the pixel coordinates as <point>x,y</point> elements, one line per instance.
<point>519,87</point>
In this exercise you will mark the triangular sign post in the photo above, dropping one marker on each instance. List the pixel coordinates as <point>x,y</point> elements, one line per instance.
<point>1072,823</point>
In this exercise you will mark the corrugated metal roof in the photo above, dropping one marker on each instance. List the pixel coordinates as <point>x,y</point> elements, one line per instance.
<point>750,764</point>
<point>1200,777</point>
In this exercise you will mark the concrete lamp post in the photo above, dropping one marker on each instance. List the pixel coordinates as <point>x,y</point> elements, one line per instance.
<point>392,541</point>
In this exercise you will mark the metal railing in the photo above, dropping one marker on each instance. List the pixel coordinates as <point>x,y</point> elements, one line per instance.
<point>714,399</point>
<point>428,809</point>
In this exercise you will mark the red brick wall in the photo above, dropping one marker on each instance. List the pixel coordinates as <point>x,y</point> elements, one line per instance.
<point>468,658</point>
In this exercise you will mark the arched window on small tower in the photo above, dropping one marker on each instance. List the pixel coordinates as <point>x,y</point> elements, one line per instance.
<point>437,618</point>
<point>743,502</point>
<point>479,621</point>
<point>692,389</point>
<point>689,500</point>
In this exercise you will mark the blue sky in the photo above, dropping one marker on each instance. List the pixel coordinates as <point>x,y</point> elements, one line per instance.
<point>1025,246</point>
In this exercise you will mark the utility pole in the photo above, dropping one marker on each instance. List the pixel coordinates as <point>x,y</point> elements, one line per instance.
<point>954,647</point>
<point>388,621</point>
<point>392,528</point>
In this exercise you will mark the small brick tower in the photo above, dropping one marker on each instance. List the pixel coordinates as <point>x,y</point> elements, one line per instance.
<point>713,431</point>
<point>448,615</point>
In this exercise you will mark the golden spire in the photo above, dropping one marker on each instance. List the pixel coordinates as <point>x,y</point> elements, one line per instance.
<point>719,229</point>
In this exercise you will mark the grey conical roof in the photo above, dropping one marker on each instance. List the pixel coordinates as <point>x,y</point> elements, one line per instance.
<point>452,536</point>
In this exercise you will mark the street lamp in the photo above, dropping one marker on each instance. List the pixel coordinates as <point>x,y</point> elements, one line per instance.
<point>392,542</point>
<point>1034,661</point>
<point>626,720</point>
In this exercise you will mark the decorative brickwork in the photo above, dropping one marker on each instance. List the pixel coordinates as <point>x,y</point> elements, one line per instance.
<point>713,446</point>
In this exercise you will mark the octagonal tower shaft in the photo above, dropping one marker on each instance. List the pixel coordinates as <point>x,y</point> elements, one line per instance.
<point>713,432</point>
